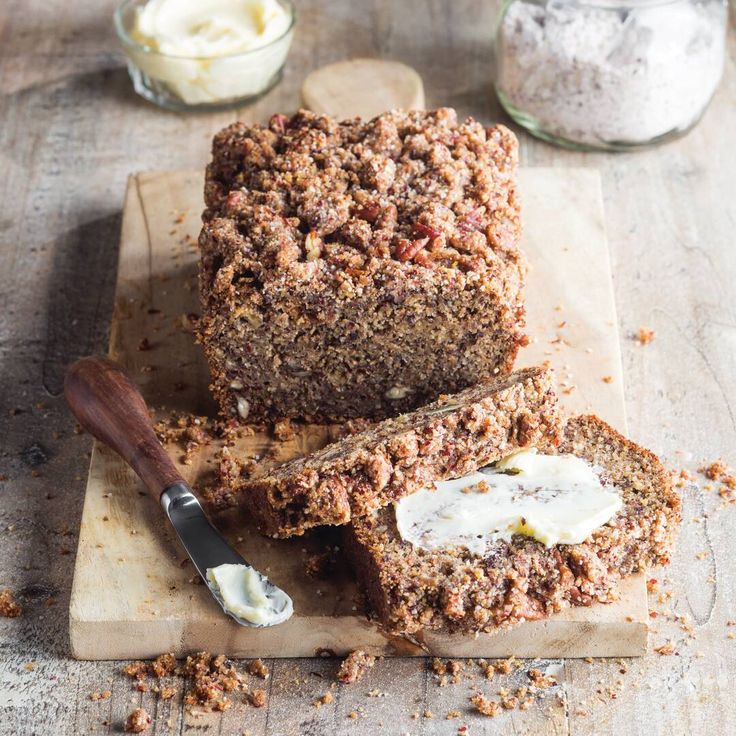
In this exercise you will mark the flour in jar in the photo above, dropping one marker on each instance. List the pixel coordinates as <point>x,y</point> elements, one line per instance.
<point>599,75</point>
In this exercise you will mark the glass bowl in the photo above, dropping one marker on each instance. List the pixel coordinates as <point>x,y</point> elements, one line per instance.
<point>609,75</point>
<point>185,83</point>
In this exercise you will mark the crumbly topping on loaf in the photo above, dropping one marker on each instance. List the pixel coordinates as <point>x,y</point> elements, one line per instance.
<point>310,193</point>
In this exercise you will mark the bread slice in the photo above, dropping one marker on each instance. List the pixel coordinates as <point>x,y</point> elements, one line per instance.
<point>357,475</point>
<point>410,589</point>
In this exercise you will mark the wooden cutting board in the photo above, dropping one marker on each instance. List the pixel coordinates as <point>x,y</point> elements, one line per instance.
<point>133,594</point>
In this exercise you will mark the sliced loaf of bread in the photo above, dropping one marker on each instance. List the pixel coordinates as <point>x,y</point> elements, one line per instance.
<point>410,588</point>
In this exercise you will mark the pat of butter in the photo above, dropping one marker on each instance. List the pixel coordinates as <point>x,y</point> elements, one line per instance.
<point>556,499</point>
<point>204,48</point>
<point>243,592</point>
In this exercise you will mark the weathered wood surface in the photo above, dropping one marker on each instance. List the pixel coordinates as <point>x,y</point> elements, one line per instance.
<point>70,133</point>
<point>150,604</point>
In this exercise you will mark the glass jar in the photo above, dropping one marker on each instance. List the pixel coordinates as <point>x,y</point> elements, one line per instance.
<point>199,82</point>
<point>602,75</point>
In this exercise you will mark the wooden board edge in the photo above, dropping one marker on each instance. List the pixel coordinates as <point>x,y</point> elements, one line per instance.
<point>91,641</point>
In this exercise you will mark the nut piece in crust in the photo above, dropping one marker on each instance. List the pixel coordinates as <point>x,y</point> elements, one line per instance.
<point>354,666</point>
<point>137,721</point>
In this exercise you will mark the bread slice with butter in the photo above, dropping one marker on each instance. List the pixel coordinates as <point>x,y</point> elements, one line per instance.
<point>417,575</point>
<point>372,468</point>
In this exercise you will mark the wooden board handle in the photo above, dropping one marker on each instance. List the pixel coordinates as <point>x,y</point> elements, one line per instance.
<point>110,407</point>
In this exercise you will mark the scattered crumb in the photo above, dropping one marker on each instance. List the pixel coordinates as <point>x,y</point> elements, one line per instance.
<point>504,666</point>
<point>104,695</point>
<point>665,649</point>
<point>138,721</point>
<point>283,430</point>
<point>137,670</point>
<point>645,336</point>
<point>607,379</point>
<point>9,607</point>
<point>438,666</point>
<point>258,668</point>
<point>166,693</point>
<point>540,680</point>
<point>163,666</point>
<point>324,700</point>
<point>453,714</point>
<point>509,702</point>
<point>320,565</point>
<point>354,666</point>
<point>257,698</point>
<point>213,677</point>
<point>484,706</point>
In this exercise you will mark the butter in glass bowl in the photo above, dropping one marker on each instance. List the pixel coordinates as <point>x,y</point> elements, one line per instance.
<point>193,55</point>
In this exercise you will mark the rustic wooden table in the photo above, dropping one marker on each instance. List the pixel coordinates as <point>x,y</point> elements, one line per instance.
<point>71,130</point>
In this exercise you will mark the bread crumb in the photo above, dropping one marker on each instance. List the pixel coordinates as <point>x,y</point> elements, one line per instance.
<point>714,470</point>
<point>137,670</point>
<point>453,714</point>
<point>104,695</point>
<point>9,607</point>
<point>213,676</point>
<point>438,666</point>
<point>283,430</point>
<point>665,649</point>
<point>504,666</point>
<point>323,700</point>
<point>163,666</point>
<point>257,668</point>
<point>257,698</point>
<point>645,336</point>
<point>607,379</point>
<point>354,666</point>
<point>484,706</point>
<point>509,702</point>
<point>137,721</point>
<point>540,680</point>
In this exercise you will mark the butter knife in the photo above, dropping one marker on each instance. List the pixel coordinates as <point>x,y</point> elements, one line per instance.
<point>110,407</point>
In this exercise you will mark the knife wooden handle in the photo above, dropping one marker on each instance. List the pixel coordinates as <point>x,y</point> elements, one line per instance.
<point>110,407</point>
